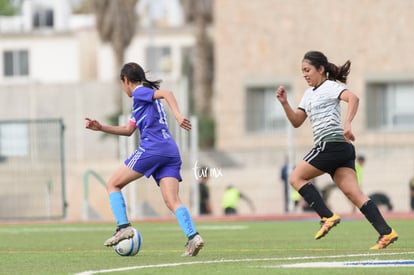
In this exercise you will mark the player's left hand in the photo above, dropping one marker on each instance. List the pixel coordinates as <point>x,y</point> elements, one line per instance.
<point>184,122</point>
<point>349,136</point>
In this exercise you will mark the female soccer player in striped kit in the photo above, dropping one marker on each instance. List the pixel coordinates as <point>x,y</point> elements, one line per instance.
<point>157,155</point>
<point>333,152</point>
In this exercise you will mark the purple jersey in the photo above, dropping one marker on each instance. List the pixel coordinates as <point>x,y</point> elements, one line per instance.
<point>149,116</point>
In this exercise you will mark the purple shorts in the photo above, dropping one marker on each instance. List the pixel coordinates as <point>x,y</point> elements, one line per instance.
<point>156,166</point>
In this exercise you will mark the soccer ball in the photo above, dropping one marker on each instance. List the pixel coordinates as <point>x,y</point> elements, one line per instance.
<point>129,247</point>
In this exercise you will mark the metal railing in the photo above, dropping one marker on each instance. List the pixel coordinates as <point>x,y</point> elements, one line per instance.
<point>86,207</point>
<point>32,168</point>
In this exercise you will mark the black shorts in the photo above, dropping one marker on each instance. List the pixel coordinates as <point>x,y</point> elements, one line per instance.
<point>329,156</point>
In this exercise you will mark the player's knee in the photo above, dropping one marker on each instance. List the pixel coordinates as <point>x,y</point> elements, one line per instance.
<point>113,186</point>
<point>110,189</point>
<point>172,203</point>
<point>296,181</point>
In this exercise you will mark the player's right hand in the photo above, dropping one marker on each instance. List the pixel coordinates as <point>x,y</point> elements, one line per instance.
<point>92,124</point>
<point>281,94</point>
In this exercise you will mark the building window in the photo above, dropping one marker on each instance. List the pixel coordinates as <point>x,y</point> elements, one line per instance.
<point>160,13</point>
<point>159,59</point>
<point>390,105</point>
<point>43,18</point>
<point>16,63</point>
<point>14,140</point>
<point>263,112</point>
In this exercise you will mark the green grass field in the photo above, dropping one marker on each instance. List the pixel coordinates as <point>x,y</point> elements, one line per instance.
<point>259,247</point>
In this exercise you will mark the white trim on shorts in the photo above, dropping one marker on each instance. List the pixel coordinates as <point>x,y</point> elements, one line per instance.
<point>134,160</point>
<point>315,151</point>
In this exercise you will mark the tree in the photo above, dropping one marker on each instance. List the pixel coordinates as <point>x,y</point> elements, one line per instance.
<point>7,8</point>
<point>116,24</point>
<point>200,14</point>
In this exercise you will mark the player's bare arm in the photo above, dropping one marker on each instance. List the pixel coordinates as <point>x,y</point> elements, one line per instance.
<point>172,102</point>
<point>297,117</point>
<point>95,125</point>
<point>353,103</point>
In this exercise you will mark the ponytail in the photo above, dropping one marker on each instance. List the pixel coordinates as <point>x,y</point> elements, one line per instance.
<point>151,84</point>
<point>338,73</point>
<point>135,73</point>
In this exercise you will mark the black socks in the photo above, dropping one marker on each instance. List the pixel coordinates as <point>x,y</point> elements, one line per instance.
<point>314,199</point>
<point>369,209</point>
<point>373,215</point>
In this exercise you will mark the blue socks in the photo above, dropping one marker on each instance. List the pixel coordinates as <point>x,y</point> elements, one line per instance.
<point>185,221</point>
<point>118,208</point>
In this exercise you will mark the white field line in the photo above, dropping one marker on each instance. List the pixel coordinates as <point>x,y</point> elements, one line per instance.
<point>91,272</point>
<point>107,228</point>
<point>375,263</point>
<point>51,229</point>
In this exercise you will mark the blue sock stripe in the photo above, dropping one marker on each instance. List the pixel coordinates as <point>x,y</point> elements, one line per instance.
<point>185,221</point>
<point>118,207</point>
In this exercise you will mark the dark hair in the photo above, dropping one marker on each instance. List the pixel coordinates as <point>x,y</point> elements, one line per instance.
<point>332,71</point>
<point>135,73</point>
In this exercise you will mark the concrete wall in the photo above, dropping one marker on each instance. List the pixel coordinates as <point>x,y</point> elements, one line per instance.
<point>266,41</point>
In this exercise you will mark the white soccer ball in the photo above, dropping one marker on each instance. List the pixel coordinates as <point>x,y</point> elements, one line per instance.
<point>129,247</point>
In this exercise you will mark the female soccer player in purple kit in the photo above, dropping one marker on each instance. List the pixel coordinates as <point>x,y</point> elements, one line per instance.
<point>157,155</point>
